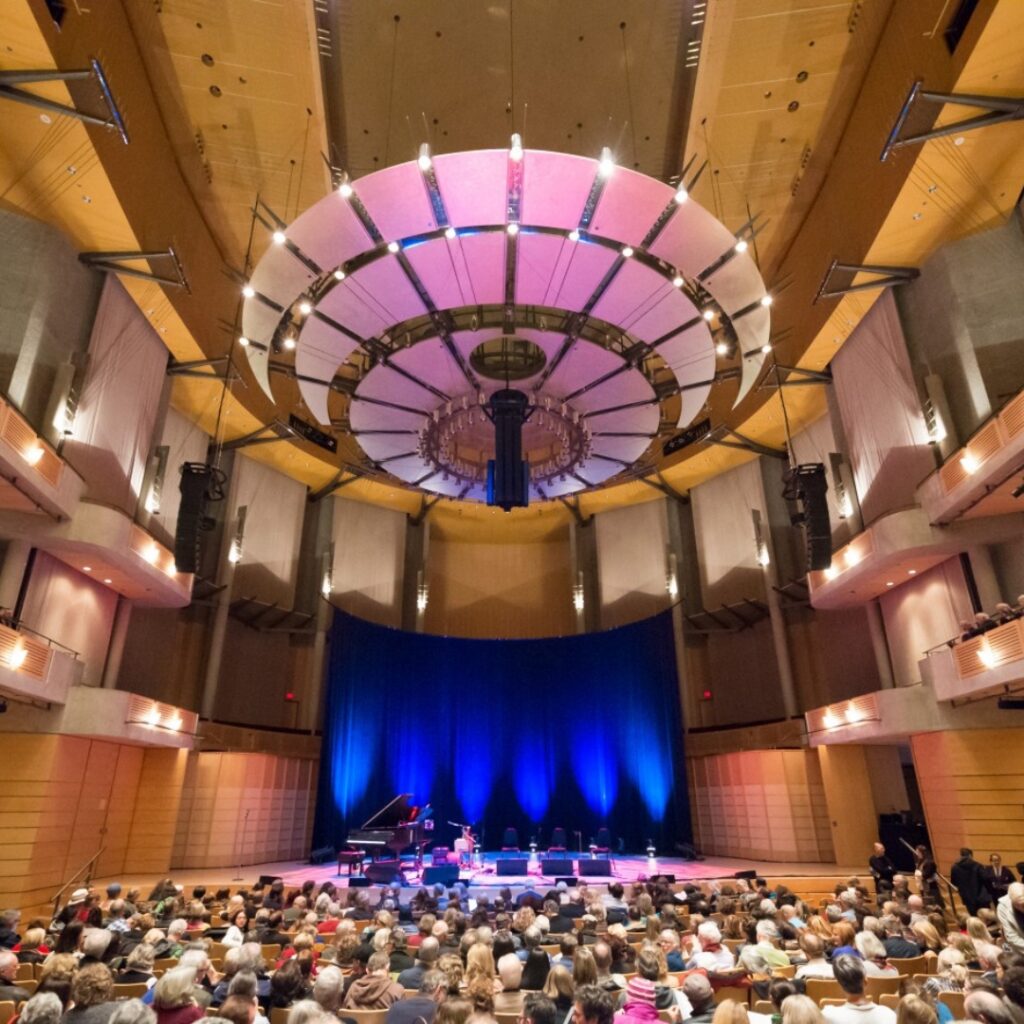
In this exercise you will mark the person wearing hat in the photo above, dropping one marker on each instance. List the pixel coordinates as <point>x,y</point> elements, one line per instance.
<point>73,909</point>
<point>639,1006</point>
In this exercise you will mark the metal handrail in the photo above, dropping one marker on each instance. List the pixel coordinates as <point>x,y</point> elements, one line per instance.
<point>86,869</point>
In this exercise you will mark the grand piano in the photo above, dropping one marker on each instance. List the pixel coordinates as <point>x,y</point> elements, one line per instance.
<point>394,828</point>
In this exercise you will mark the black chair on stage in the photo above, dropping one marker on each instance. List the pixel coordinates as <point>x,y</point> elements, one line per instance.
<point>510,841</point>
<point>603,845</point>
<point>558,841</point>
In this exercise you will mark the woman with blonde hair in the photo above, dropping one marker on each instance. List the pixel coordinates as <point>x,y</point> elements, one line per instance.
<point>800,1009</point>
<point>843,937</point>
<point>914,1010</point>
<point>926,937</point>
<point>818,926</point>
<point>584,968</point>
<point>873,953</point>
<point>730,1012</point>
<point>480,964</point>
<point>559,989</point>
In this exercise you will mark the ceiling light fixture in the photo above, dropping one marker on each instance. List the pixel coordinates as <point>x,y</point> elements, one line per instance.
<point>345,188</point>
<point>279,237</point>
<point>741,245</point>
<point>86,568</point>
<point>627,251</point>
<point>243,341</point>
<point>339,275</point>
<point>606,168</point>
<point>17,657</point>
<point>108,581</point>
<point>708,314</point>
<point>289,342</point>
<point>911,572</point>
<point>151,554</point>
<point>681,195</point>
<point>969,462</point>
<point>424,161</point>
<point>677,281</point>
<point>248,291</point>
<point>33,454</point>
<point>450,233</point>
<point>393,247</point>
<point>515,151</point>
<point>512,229</point>
<point>766,301</point>
<point>574,235</point>
<point>305,307</point>
<point>722,348</point>
<point>766,348</point>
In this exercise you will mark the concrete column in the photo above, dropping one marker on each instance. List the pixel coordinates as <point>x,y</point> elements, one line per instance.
<point>13,572</point>
<point>880,644</point>
<point>317,668</point>
<point>780,642</point>
<point>115,649</point>
<point>222,600</point>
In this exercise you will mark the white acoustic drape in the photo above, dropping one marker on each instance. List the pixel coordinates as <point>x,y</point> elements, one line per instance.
<point>881,411</point>
<point>726,547</point>
<point>113,427</point>
<point>275,505</point>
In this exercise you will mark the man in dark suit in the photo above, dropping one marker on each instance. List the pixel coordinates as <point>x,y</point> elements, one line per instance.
<point>882,869</point>
<point>968,877</point>
<point>997,876</point>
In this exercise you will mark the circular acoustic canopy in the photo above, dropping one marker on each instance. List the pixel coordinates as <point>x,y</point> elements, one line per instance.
<point>414,293</point>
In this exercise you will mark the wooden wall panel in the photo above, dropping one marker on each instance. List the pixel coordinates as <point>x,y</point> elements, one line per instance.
<point>763,804</point>
<point>151,836</point>
<point>240,808</point>
<point>851,806</point>
<point>972,788</point>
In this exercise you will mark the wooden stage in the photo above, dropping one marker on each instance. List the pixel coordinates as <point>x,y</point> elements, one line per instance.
<point>625,869</point>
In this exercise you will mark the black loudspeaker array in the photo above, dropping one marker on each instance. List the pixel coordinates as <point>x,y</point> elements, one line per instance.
<point>200,484</point>
<point>807,485</point>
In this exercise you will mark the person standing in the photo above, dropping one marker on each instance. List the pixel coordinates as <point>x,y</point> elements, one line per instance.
<point>998,877</point>
<point>882,869</point>
<point>969,878</point>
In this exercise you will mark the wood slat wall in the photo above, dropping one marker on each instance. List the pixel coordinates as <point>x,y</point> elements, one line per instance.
<point>65,797</point>
<point>241,808</point>
<point>763,804</point>
<point>972,787</point>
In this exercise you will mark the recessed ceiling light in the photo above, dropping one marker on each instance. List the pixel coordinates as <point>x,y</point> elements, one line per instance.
<point>677,281</point>
<point>722,348</point>
<point>450,233</point>
<point>911,572</point>
<point>607,165</point>
<point>890,583</point>
<point>393,247</point>
<point>339,275</point>
<point>627,251</point>
<point>289,343</point>
<point>108,581</point>
<point>243,341</point>
<point>424,161</point>
<point>708,314</point>
<point>248,291</point>
<point>681,195</point>
<point>766,301</point>
<point>741,245</point>
<point>512,229</point>
<point>86,568</point>
<point>305,307</point>
<point>766,348</point>
<point>345,190</point>
<point>574,235</point>
<point>279,237</point>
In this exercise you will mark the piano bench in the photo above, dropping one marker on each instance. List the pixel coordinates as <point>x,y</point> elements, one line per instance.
<point>351,858</point>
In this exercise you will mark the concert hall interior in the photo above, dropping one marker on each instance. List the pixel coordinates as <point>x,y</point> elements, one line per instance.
<point>499,443</point>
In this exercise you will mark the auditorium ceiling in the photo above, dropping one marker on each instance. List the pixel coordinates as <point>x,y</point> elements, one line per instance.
<point>788,101</point>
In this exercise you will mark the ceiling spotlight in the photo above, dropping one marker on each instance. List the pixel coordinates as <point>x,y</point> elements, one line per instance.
<point>911,572</point>
<point>607,166</point>
<point>516,149</point>
<point>108,581</point>
<point>243,341</point>
<point>513,228</point>
<point>86,568</point>
<point>345,188</point>
<point>741,245</point>
<point>305,307</point>
<point>450,233</point>
<point>574,235</point>
<point>890,583</point>
<point>722,348</point>
<point>681,195</point>
<point>339,275</point>
<point>627,251</point>
<point>677,281</point>
<point>424,160</point>
<point>289,342</point>
<point>393,247</point>
<point>248,291</point>
<point>708,314</point>
<point>766,301</point>
<point>279,237</point>
<point>766,348</point>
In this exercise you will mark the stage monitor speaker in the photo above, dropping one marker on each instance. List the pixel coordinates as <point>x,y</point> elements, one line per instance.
<point>662,877</point>
<point>556,866</point>
<point>358,882</point>
<point>196,478</point>
<point>322,854</point>
<point>570,881</point>
<point>807,485</point>
<point>512,866</point>
<point>268,880</point>
<point>383,872</point>
<point>602,867</point>
<point>749,875</point>
<point>446,874</point>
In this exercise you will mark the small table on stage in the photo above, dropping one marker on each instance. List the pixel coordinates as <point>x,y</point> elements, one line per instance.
<point>351,858</point>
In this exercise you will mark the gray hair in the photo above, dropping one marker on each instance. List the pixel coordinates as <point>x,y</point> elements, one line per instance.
<point>95,942</point>
<point>432,981</point>
<point>327,990</point>
<point>307,1011</point>
<point>177,927</point>
<point>44,1008</point>
<point>430,950</point>
<point>765,929</point>
<point>141,957</point>
<point>175,988</point>
<point>244,984</point>
<point>132,1011</point>
<point>849,972</point>
<point>197,959</point>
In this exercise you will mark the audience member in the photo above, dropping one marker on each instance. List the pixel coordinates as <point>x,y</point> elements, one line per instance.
<point>1010,912</point>
<point>374,990</point>
<point>849,972</point>
<point>423,1006</point>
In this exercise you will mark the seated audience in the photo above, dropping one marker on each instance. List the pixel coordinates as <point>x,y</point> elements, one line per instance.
<point>42,1008</point>
<point>800,1009</point>
<point>174,997</point>
<point>592,1005</point>
<point>560,989</point>
<point>9,988</point>
<point>510,974</point>
<point>426,958</point>
<point>422,1007</point>
<point>374,990</point>
<point>711,955</point>
<point>850,973</point>
<point>1010,912</point>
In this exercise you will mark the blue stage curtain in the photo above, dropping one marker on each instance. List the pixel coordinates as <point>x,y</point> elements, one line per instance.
<point>576,732</point>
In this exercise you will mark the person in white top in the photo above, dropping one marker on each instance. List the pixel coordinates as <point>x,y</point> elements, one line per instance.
<point>858,1008</point>
<point>235,935</point>
<point>713,956</point>
<point>814,949</point>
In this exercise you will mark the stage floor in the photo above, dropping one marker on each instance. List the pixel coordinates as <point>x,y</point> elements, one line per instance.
<point>624,869</point>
